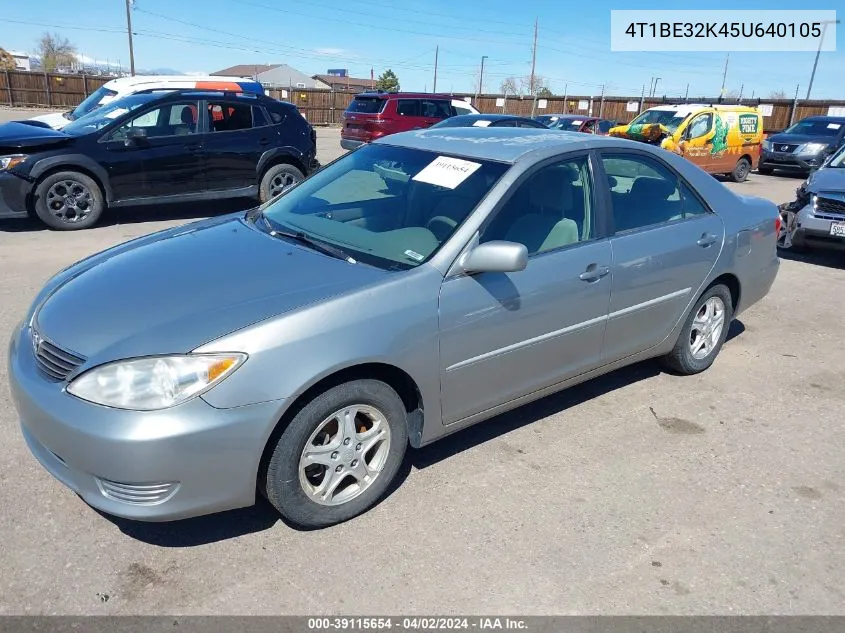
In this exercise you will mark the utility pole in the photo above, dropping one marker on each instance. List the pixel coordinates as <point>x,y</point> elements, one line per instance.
<point>642,97</point>
<point>533,63</point>
<point>436,53</point>
<point>741,88</point>
<point>794,105</point>
<point>654,87</point>
<point>480,79</point>
<point>686,94</point>
<point>724,76</point>
<point>816,62</point>
<point>601,105</point>
<point>565,91</point>
<point>129,32</point>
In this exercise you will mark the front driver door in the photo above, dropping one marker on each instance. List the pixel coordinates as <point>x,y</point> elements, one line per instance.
<point>502,335</point>
<point>167,161</point>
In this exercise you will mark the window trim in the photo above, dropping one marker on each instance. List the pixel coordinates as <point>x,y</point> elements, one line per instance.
<point>608,200</point>
<point>599,217</point>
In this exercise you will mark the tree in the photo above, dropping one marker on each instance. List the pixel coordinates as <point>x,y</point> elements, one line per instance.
<point>509,86</point>
<point>778,94</point>
<point>7,62</point>
<point>545,93</point>
<point>387,81</point>
<point>530,88</point>
<point>55,51</point>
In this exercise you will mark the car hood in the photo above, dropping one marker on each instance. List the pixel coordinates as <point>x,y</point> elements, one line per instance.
<point>179,289</point>
<point>792,139</point>
<point>827,179</point>
<point>17,135</point>
<point>55,120</point>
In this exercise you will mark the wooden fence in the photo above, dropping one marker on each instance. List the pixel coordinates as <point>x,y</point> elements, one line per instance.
<point>325,107</point>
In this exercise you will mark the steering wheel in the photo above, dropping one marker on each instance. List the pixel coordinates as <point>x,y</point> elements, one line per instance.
<point>442,226</point>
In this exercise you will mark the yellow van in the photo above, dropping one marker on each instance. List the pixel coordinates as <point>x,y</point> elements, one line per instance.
<point>721,139</point>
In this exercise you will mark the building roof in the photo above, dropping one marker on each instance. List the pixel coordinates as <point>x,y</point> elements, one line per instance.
<point>247,70</point>
<point>354,82</point>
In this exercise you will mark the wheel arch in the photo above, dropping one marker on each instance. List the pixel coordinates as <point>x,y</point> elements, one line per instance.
<point>279,157</point>
<point>731,281</point>
<point>398,379</point>
<point>79,163</point>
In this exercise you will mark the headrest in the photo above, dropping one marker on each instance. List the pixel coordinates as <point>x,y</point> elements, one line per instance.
<point>652,188</point>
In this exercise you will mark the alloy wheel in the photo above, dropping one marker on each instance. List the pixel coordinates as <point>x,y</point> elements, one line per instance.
<point>707,328</point>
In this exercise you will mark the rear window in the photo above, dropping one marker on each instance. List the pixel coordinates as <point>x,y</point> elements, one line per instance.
<point>366,105</point>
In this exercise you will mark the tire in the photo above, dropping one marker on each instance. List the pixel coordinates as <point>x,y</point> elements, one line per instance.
<point>765,171</point>
<point>68,201</point>
<point>277,177</point>
<point>682,359</point>
<point>741,170</point>
<point>296,490</point>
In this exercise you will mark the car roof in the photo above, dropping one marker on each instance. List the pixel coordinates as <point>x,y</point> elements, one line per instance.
<point>492,116</point>
<point>403,95</point>
<point>502,144</point>
<point>835,119</point>
<point>178,93</point>
<point>572,116</point>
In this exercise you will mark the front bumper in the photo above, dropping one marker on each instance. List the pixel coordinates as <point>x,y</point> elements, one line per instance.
<point>14,192</point>
<point>789,161</point>
<point>181,462</point>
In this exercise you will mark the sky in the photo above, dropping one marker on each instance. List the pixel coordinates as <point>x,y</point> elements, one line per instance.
<point>573,43</point>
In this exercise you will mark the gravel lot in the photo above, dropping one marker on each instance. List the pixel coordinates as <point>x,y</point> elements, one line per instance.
<point>637,493</point>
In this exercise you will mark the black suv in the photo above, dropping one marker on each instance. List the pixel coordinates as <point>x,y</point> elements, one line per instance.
<point>178,146</point>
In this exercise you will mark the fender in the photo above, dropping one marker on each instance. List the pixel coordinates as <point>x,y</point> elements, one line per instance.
<point>70,161</point>
<point>285,152</point>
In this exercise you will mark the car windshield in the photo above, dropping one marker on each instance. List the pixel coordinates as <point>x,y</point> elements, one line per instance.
<point>567,125</point>
<point>390,207</point>
<point>670,119</point>
<point>816,127</point>
<point>464,120</point>
<point>99,97</point>
<point>366,105</point>
<point>838,159</point>
<point>104,115</point>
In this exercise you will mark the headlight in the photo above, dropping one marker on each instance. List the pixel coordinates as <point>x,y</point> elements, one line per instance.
<point>7,162</point>
<point>767,145</point>
<point>148,384</point>
<point>812,148</point>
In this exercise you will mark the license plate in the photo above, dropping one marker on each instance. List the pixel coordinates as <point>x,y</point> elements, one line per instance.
<point>837,229</point>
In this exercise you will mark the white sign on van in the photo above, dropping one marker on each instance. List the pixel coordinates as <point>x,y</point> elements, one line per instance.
<point>632,106</point>
<point>766,109</point>
<point>583,104</point>
<point>284,94</point>
<point>500,101</point>
<point>445,171</point>
<point>542,103</point>
<point>836,111</point>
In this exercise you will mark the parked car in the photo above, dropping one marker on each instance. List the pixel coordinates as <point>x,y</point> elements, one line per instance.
<point>152,149</point>
<point>463,107</point>
<point>372,115</point>
<point>803,146</point>
<point>721,139</point>
<point>816,218</point>
<point>416,286</point>
<point>576,123</point>
<point>125,86</point>
<point>489,120</point>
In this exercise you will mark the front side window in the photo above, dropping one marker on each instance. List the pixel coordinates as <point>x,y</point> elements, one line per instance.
<point>106,115</point>
<point>390,207</point>
<point>551,209</point>
<point>701,125</point>
<point>172,119</point>
<point>645,193</point>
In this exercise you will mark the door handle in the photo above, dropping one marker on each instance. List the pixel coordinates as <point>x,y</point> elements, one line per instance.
<point>593,273</point>
<point>706,240</point>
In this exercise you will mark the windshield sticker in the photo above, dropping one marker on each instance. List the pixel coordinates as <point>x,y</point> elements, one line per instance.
<point>414,255</point>
<point>833,126</point>
<point>576,122</point>
<point>448,172</point>
<point>680,114</point>
<point>481,123</point>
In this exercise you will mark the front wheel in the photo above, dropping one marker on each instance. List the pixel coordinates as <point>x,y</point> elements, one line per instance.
<point>277,179</point>
<point>741,170</point>
<point>338,455</point>
<point>704,332</point>
<point>68,201</point>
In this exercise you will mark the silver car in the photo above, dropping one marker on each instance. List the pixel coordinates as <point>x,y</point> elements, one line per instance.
<point>416,286</point>
<point>816,218</point>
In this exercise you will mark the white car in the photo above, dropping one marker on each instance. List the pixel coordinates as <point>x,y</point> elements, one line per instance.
<point>123,86</point>
<point>464,107</point>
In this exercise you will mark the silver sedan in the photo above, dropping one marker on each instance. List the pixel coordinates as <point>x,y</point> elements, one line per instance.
<point>416,286</point>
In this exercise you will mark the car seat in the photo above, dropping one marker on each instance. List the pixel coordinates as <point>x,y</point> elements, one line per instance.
<point>646,203</point>
<point>546,225</point>
<point>189,121</point>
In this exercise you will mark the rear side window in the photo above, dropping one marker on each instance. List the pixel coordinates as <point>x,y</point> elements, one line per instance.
<point>366,105</point>
<point>408,107</point>
<point>228,117</point>
<point>259,117</point>
<point>436,109</point>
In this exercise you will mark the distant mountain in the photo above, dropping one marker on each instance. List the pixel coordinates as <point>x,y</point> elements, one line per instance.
<point>160,71</point>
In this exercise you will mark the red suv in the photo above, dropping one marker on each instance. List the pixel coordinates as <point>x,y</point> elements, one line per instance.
<point>372,115</point>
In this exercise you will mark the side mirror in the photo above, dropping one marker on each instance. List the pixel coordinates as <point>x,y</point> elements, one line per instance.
<point>495,257</point>
<point>135,136</point>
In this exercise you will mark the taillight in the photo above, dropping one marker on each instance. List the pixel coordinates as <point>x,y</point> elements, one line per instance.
<point>778,224</point>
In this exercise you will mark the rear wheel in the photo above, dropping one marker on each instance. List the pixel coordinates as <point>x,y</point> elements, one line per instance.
<point>277,179</point>
<point>741,170</point>
<point>338,455</point>
<point>704,332</point>
<point>68,201</point>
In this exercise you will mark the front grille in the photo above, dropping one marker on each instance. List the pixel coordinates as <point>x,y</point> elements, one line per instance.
<point>784,147</point>
<point>830,205</point>
<point>53,360</point>
<point>139,494</point>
